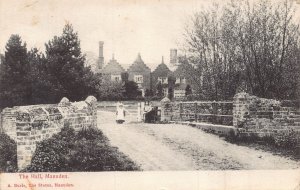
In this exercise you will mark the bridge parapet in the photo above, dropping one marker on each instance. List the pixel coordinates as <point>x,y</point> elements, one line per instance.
<point>28,125</point>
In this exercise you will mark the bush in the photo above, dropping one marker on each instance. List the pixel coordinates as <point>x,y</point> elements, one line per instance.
<point>8,154</point>
<point>231,137</point>
<point>53,154</point>
<point>287,139</point>
<point>91,134</point>
<point>88,150</point>
<point>249,138</point>
<point>97,156</point>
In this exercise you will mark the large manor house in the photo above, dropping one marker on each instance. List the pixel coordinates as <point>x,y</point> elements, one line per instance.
<point>140,73</point>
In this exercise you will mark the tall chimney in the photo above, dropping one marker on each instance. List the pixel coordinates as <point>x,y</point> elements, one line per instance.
<point>173,56</point>
<point>101,58</point>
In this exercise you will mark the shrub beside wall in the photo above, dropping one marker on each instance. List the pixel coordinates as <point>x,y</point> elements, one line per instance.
<point>87,150</point>
<point>8,154</point>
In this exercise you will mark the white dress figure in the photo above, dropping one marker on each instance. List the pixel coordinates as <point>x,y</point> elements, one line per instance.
<point>120,114</point>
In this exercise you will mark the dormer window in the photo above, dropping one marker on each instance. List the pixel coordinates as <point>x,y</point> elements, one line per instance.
<point>163,80</point>
<point>138,79</point>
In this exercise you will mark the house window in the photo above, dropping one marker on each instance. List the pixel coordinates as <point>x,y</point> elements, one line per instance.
<point>138,79</point>
<point>179,93</point>
<point>180,80</point>
<point>163,80</point>
<point>116,78</point>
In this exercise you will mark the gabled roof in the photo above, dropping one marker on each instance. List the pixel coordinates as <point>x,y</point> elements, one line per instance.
<point>162,70</point>
<point>112,67</point>
<point>139,65</point>
<point>183,70</point>
<point>180,87</point>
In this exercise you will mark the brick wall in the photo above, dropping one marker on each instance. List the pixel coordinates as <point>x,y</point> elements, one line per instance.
<point>264,117</point>
<point>248,114</point>
<point>28,125</point>
<point>8,122</point>
<point>209,112</point>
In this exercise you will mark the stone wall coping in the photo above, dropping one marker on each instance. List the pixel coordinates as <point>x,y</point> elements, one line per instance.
<point>206,102</point>
<point>165,99</point>
<point>39,122</point>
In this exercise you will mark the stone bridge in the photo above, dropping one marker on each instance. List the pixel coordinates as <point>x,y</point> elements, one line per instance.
<point>28,125</point>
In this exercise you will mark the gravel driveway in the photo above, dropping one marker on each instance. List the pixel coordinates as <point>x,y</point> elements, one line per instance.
<point>180,147</point>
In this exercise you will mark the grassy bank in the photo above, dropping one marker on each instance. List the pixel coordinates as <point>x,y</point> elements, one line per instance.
<point>283,144</point>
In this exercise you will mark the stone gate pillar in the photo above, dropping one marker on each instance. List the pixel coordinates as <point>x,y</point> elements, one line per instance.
<point>166,109</point>
<point>241,102</point>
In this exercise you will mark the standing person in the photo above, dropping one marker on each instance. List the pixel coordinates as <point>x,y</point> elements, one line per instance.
<point>120,114</point>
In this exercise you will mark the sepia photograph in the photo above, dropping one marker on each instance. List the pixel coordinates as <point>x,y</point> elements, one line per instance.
<point>124,94</point>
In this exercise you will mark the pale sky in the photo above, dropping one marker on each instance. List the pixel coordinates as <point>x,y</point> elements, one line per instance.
<point>127,27</point>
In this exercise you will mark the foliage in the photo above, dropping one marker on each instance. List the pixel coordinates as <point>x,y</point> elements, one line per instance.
<point>170,93</point>
<point>131,90</point>
<point>110,90</point>
<point>88,150</point>
<point>287,139</point>
<point>154,98</point>
<point>13,74</point>
<point>188,90</point>
<point>91,134</point>
<point>95,156</point>
<point>148,93</point>
<point>65,65</point>
<point>171,86</point>
<point>244,44</point>
<point>54,153</point>
<point>8,154</point>
<point>30,77</point>
<point>41,89</point>
<point>159,89</point>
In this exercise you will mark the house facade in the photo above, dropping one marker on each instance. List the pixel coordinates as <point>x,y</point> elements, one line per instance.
<point>140,73</point>
<point>112,71</point>
<point>183,80</point>
<point>160,76</point>
<point>172,83</point>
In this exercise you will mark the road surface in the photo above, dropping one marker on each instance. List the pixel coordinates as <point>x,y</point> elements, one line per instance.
<point>180,147</point>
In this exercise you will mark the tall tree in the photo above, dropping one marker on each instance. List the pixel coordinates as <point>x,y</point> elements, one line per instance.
<point>245,43</point>
<point>42,90</point>
<point>65,65</point>
<point>14,88</point>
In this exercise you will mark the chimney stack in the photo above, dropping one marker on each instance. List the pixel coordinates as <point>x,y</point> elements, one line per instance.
<point>101,58</point>
<point>173,56</point>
